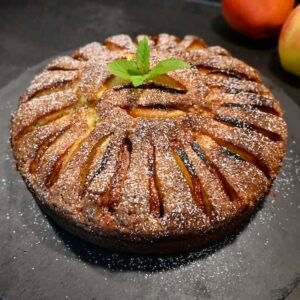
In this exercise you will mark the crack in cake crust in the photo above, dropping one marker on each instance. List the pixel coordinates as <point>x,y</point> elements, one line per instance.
<point>181,157</point>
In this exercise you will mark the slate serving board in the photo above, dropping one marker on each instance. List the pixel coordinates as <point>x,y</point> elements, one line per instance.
<point>38,260</point>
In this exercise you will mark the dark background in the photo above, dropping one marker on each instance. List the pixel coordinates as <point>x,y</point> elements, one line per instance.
<point>40,261</point>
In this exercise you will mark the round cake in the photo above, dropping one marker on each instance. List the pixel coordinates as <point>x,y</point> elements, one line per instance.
<point>168,166</point>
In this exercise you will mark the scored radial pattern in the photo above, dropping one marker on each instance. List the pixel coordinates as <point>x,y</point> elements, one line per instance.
<point>183,156</point>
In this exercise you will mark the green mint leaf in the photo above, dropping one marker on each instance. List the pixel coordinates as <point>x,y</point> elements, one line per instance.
<point>137,71</point>
<point>117,81</point>
<point>142,56</point>
<point>138,80</point>
<point>166,66</point>
<point>134,72</point>
<point>123,68</point>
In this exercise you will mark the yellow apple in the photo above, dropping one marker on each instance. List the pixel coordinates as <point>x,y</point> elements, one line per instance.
<point>289,43</point>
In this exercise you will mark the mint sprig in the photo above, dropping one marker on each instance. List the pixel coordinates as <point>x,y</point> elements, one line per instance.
<point>138,71</point>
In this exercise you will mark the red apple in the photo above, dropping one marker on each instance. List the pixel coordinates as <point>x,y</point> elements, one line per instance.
<point>256,19</point>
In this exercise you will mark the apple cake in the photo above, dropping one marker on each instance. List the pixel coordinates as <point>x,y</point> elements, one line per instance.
<point>165,167</point>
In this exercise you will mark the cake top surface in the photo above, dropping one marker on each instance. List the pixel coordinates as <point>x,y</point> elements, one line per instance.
<point>183,153</point>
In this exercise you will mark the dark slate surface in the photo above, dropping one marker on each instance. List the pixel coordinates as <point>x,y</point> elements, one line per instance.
<point>38,260</point>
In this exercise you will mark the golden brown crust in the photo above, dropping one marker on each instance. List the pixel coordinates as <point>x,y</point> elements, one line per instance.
<point>165,167</point>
